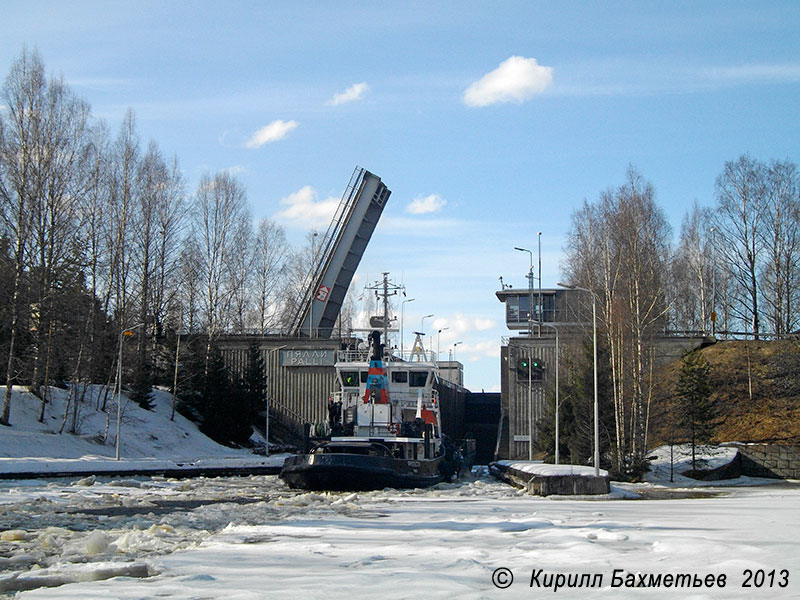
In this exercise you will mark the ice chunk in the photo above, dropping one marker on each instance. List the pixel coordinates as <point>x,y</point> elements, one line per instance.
<point>86,481</point>
<point>130,483</point>
<point>97,543</point>
<point>14,535</point>
<point>57,577</point>
<point>160,530</point>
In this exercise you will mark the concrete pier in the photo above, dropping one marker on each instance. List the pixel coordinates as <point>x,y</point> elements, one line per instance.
<point>542,479</point>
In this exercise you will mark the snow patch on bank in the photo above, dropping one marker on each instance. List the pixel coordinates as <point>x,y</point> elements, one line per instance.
<point>668,465</point>
<point>150,439</point>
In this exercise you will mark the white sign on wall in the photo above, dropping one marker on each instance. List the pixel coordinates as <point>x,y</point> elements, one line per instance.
<point>307,358</point>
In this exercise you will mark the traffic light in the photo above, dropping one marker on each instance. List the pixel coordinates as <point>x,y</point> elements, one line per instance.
<point>529,369</point>
<point>537,369</point>
<point>523,365</point>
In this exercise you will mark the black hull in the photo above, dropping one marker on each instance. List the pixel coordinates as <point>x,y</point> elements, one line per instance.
<point>357,472</point>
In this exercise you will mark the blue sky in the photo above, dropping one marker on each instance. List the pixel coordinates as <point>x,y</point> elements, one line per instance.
<point>488,121</point>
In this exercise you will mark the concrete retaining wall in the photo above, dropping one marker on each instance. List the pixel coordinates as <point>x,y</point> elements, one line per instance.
<point>770,460</point>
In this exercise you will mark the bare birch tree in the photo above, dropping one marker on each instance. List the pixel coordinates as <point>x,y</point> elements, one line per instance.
<point>125,159</point>
<point>693,272</point>
<point>741,207</point>
<point>299,268</point>
<point>618,248</point>
<point>190,287</point>
<point>21,135</point>
<point>644,235</point>
<point>220,209</point>
<point>170,226</point>
<point>780,236</point>
<point>96,262</point>
<point>271,252</point>
<point>240,267</point>
<point>58,216</point>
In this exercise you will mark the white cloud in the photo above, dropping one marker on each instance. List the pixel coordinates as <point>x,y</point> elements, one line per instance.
<point>235,170</point>
<point>460,325</point>
<point>423,205</point>
<point>516,79</point>
<point>756,73</point>
<point>303,209</point>
<point>351,94</point>
<point>479,350</point>
<point>277,130</point>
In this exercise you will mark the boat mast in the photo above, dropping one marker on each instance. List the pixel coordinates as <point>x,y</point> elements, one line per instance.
<point>386,308</point>
<point>384,289</point>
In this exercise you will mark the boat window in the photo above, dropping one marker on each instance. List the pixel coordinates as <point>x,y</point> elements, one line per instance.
<point>364,375</point>
<point>417,378</point>
<point>399,376</point>
<point>350,378</point>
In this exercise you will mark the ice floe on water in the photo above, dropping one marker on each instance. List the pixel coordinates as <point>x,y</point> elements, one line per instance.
<point>250,537</point>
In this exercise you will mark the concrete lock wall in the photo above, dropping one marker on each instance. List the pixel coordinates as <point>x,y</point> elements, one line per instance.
<point>520,407</point>
<point>525,406</point>
<point>300,373</point>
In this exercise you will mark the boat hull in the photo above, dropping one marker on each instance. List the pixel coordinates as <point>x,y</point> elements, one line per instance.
<point>357,472</point>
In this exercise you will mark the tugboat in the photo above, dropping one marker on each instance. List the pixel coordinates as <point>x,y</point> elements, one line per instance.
<point>385,427</point>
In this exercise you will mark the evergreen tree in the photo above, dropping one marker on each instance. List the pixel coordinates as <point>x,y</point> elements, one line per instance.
<point>254,382</point>
<point>192,375</point>
<point>141,390</point>
<point>693,390</point>
<point>224,410</point>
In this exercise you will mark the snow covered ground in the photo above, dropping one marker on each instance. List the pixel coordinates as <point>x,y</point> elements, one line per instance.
<point>150,439</point>
<point>680,460</point>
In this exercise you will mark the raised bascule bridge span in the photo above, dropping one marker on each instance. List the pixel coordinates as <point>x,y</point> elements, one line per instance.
<point>338,255</point>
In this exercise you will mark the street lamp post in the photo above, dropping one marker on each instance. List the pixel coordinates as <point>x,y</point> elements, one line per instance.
<point>422,327</point>
<point>175,372</point>
<point>439,341</point>
<point>714,283</point>
<point>266,404</point>
<point>557,353</point>
<point>402,310</point>
<point>530,290</point>
<point>530,399</point>
<point>454,359</point>
<point>594,338</point>
<point>539,315</point>
<point>122,334</point>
